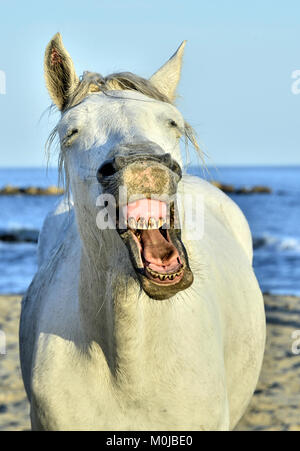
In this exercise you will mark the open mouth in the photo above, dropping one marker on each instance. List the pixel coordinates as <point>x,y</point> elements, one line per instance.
<point>160,258</point>
<point>155,247</point>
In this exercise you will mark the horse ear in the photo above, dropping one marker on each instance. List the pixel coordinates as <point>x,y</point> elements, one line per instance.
<point>60,75</point>
<point>167,77</point>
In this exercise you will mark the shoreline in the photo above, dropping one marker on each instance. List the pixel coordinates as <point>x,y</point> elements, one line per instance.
<point>53,190</point>
<point>275,405</point>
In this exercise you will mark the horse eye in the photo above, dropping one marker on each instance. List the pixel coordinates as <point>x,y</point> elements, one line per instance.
<point>173,123</point>
<point>72,132</point>
<point>70,136</point>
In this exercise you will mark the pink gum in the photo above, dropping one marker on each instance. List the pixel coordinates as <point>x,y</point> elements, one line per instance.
<point>146,208</point>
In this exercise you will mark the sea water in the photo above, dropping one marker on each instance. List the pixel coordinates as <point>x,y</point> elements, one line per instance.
<point>273,218</point>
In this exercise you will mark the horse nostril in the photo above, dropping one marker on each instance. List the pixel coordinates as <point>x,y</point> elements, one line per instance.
<point>176,168</point>
<point>166,158</point>
<point>171,164</point>
<point>105,170</point>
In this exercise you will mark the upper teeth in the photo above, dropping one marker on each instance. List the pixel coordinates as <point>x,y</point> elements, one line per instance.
<point>131,223</point>
<point>152,223</point>
<point>161,222</point>
<point>142,224</point>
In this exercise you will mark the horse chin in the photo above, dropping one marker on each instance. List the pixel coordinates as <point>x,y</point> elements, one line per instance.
<point>159,284</point>
<point>161,292</point>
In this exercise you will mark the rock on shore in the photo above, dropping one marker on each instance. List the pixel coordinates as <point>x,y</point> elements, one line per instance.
<point>31,190</point>
<point>54,190</point>
<point>230,189</point>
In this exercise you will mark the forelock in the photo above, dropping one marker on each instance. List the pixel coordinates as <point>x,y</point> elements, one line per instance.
<point>95,82</point>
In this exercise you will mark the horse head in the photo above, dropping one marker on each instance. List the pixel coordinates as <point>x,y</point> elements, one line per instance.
<point>122,133</point>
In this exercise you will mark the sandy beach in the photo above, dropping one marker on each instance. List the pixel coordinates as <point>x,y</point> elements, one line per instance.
<point>275,405</point>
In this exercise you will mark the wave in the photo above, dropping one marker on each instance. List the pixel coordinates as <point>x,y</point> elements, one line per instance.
<point>20,235</point>
<point>282,244</point>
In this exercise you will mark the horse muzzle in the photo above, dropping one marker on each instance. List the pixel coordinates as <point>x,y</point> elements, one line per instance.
<point>148,221</point>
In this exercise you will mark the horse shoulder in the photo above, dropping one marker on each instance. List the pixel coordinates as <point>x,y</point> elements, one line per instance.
<point>222,208</point>
<point>53,288</point>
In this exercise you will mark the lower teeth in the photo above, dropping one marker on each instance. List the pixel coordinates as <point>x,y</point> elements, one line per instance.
<point>164,276</point>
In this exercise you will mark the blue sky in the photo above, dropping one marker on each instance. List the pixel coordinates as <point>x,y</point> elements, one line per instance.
<point>236,81</point>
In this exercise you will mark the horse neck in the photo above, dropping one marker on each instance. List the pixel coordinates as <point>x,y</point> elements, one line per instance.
<point>134,332</point>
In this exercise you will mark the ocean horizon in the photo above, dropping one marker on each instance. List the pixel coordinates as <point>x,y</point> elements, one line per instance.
<point>273,218</point>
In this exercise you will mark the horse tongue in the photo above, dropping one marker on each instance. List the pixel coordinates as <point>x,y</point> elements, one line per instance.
<point>159,253</point>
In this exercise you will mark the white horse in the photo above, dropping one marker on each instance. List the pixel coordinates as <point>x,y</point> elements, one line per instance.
<point>145,327</point>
